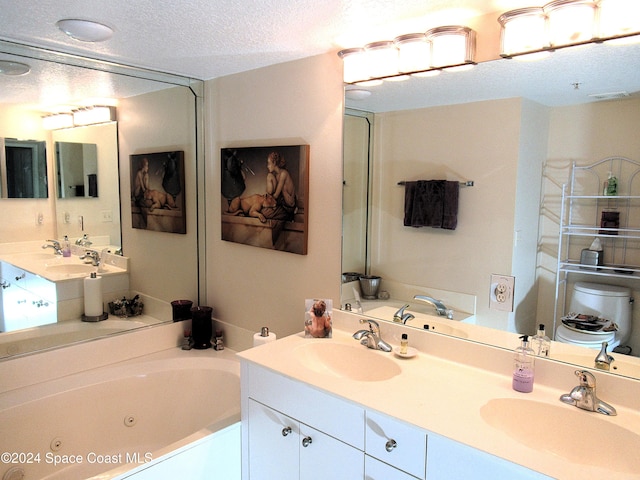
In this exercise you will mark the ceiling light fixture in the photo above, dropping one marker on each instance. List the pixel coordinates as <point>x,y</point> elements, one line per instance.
<point>79,117</point>
<point>537,31</point>
<point>415,54</point>
<point>8,67</point>
<point>85,30</point>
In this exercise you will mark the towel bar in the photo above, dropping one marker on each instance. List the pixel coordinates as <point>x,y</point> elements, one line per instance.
<point>468,183</point>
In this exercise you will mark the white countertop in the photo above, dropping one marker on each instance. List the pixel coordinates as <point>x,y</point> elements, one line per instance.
<point>446,397</point>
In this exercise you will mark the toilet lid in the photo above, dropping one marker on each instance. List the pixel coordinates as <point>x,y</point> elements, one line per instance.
<point>565,335</point>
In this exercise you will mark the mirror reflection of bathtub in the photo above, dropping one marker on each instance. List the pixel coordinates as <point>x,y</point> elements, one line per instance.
<point>44,337</point>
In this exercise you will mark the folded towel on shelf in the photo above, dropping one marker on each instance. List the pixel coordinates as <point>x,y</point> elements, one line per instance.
<point>431,203</point>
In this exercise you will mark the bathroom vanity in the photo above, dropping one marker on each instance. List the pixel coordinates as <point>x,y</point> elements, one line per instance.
<point>332,408</point>
<point>40,288</point>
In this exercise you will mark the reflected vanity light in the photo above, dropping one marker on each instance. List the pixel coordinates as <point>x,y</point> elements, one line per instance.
<point>57,121</point>
<point>92,115</point>
<point>81,117</point>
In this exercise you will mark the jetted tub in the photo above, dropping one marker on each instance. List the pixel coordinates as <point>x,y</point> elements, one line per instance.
<point>131,415</point>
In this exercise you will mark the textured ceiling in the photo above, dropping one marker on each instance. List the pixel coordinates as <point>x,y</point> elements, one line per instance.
<point>205,39</point>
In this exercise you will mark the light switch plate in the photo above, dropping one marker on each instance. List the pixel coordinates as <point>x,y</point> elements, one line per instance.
<point>501,292</point>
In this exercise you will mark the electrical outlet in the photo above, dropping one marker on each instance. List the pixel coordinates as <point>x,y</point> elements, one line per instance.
<point>501,292</point>
<point>39,219</point>
<point>107,216</point>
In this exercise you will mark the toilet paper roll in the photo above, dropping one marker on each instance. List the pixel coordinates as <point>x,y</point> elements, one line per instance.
<point>93,296</point>
<point>258,339</point>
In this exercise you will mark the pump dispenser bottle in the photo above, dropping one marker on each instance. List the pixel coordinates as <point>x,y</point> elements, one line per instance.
<point>66,248</point>
<point>523,367</point>
<point>540,343</point>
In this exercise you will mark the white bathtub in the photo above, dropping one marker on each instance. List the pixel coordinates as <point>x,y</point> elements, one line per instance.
<point>108,421</point>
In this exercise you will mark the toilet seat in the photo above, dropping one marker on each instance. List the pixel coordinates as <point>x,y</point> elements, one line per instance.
<point>590,340</point>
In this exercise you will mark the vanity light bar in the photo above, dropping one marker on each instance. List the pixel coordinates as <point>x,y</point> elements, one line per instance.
<point>410,54</point>
<point>563,23</point>
<point>80,117</point>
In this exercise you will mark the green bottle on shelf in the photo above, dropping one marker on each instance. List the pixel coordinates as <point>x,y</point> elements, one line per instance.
<point>612,185</point>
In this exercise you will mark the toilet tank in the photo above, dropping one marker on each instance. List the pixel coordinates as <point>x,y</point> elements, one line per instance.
<point>607,301</point>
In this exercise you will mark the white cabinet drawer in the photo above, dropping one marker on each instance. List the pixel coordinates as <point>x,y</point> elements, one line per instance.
<point>374,469</point>
<point>396,443</point>
<point>338,418</point>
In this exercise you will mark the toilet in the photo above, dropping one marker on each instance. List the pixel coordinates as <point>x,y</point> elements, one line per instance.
<point>607,301</point>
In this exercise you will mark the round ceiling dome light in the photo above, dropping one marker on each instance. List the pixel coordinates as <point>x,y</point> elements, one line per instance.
<point>85,30</point>
<point>357,93</point>
<point>8,67</point>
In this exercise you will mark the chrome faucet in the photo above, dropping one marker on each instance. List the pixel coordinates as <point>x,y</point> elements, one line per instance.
<point>603,359</point>
<point>84,241</point>
<point>440,307</point>
<point>584,395</point>
<point>55,245</point>
<point>402,317</point>
<point>92,256</point>
<point>371,338</point>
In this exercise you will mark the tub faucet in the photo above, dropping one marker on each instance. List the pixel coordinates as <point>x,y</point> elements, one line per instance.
<point>371,338</point>
<point>55,245</point>
<point>402,317</point>
<point>92,257</point>
<point>584,395</point>
<point>442,310</point>
<point>603,359</point>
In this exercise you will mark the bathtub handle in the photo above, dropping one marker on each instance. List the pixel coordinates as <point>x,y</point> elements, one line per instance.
<point>306,441</point>
<point>286,431</point>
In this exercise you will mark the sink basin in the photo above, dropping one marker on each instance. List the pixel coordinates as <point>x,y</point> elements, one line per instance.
<point>577,435</point>
<point>355,362</point>
<point>435,322</point>
<point>71,268</point>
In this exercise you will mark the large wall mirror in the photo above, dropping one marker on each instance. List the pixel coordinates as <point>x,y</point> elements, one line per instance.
<point>23,168</point>
<point>512,127</point>
<point>76,179</point>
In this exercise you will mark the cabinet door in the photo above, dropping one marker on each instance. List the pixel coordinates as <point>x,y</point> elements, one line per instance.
<point>447,459</point>
<point>323,457</point>
<point>396,443</point>
<point>16,305</point>
<point>376,470</point>
<point>273,444</point>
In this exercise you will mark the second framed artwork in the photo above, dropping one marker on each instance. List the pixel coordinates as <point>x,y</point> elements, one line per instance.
<point>264,197</point>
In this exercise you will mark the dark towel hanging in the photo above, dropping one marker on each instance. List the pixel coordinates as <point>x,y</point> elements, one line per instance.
<point>431,203</point>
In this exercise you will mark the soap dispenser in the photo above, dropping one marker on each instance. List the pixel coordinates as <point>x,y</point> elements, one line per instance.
<point>523,367</point>
<point>66,248</point>
<point>540,343</point>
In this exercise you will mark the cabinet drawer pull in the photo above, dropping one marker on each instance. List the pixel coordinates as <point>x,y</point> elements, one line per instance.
<point>286,431</point>
<point>390,445</point>
<point>306,441</point>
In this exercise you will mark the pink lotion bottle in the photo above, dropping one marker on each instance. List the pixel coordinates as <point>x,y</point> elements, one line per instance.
<point>523,368</point>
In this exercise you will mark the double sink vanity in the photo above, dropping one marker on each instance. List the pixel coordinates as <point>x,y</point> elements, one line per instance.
<point>40,287</point>
<point>333,408</point>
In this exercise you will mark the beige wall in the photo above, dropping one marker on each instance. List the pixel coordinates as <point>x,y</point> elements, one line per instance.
<point>476,141</point>
<point>106,139</point>
<point>293,103</point>
<point>18,216</point>
<point>163,265</point>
